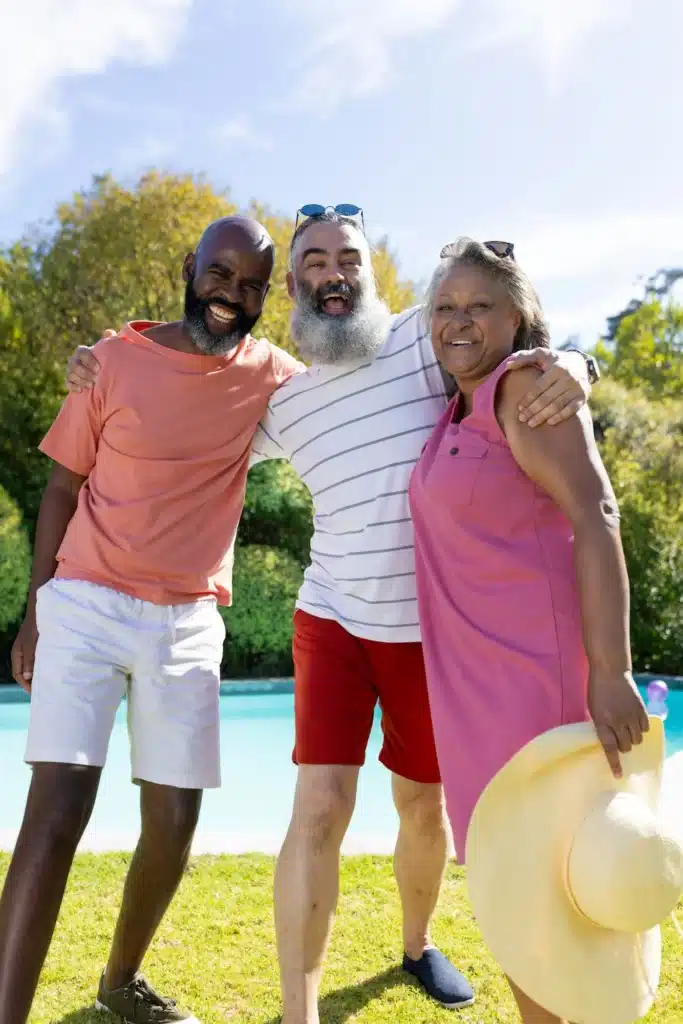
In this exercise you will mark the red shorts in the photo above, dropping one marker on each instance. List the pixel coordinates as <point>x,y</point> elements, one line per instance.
<point>338,680</point>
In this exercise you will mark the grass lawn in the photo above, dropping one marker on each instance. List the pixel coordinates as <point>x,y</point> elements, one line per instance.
<point>216,953</point>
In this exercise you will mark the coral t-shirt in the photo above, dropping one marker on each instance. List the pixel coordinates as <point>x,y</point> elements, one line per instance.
<point>164,440</point>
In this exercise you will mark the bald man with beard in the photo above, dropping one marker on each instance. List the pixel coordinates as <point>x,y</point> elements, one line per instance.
<point>133,552</point>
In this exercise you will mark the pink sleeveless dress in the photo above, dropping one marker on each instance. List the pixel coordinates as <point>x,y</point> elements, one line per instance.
<point>498,602</point>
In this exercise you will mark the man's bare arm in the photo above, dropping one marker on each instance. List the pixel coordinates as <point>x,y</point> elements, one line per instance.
<point>56,512</point>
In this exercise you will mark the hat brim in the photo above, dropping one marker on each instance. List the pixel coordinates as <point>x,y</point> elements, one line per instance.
<point>518,846</point>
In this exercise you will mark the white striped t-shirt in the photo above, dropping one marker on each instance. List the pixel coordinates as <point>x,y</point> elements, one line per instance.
<point>353,435</point>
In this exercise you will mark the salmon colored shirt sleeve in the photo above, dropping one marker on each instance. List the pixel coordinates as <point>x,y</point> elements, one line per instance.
<point>73,438</point>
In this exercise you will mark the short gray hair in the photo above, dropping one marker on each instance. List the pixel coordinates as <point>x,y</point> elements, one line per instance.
<point>328,217</point>
<point>533,330</point>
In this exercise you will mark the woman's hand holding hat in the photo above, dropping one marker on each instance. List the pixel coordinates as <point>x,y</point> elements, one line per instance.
<point>618,713</point>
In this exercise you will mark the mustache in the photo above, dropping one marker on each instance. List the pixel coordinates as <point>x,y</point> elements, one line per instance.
<point>341,290</point>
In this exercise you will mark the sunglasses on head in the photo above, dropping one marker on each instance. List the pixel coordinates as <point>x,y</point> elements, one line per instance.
<point>312,210</point>
<point>503,250</point>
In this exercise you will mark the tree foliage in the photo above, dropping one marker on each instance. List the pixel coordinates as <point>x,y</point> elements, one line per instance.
<point>643,346</point>
<point>266,582</point>
<point>647,351</point>
<point>638,414</point>
<point>278,511</point>
<point>15,562</point>
<point>642,446</point>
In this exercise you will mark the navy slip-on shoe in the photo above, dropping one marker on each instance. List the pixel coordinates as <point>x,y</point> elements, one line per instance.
<point>440,979</point>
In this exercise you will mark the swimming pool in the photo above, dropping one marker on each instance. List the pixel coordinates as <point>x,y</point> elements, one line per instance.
<point>251,811</point>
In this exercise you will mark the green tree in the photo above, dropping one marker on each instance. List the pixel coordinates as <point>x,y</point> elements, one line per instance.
<point>15,569</point>
<point>30,394</point>
<point>278,511</point>
<point>266,582</point>
<point>642,445</point>
<point>15,562</point>
<point>643,347</point>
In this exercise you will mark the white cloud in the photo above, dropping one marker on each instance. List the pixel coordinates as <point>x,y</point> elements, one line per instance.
<point>621,244</point>
<point>349,53</point>
<point>589,267</point>
<point>240,132</point>
<point>149,151</point>
<point>44,41</point>
<point>554,30</point>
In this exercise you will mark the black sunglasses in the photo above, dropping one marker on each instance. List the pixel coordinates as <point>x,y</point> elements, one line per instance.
<point>318,210</point>
<point>503,250</point>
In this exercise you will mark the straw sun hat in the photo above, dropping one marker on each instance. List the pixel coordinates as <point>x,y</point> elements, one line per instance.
<point>570,872</point>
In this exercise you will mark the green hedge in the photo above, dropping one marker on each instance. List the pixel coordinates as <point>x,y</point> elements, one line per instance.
<point>278,511</point>
<point>15,571</point>
<point>15,563</point>
<point>642,445</point>
<point>266,582</point>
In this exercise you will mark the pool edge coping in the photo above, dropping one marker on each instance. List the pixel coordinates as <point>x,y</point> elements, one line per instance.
<point>10,693</point>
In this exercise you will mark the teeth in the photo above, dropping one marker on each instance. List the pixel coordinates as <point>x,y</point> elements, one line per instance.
<point>221,313</point>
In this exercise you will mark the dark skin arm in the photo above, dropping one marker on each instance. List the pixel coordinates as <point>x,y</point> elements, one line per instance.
<point>56,511</point>
<point>564,461</point>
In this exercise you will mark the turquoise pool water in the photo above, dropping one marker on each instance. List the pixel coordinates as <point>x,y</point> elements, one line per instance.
<point>252,810</point>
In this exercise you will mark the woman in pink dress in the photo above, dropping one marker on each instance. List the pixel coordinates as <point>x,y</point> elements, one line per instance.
<point>522,586</point>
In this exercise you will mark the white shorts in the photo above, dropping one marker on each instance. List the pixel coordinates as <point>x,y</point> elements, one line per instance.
<point>96,645</point>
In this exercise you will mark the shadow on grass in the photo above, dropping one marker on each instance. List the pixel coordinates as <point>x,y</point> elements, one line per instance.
<point>335,1007</point>
<point>342,1004</point>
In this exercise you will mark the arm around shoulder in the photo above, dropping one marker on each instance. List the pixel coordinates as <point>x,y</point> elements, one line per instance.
<point>285,365</point>
<point>563,459</point>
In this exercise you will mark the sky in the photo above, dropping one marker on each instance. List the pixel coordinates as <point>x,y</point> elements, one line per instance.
<point>555,124</point>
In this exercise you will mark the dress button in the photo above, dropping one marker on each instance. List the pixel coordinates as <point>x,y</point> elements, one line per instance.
<point>454,451</point>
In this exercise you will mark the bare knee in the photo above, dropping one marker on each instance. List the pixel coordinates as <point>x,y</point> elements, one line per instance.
<point>169,816</point>
<point>325,821</point>
<point>322,811</point>
<point>60,802</point>
<point>420,807</point>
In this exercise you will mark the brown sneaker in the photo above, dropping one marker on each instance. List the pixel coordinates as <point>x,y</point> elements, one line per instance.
<point>138,1003</point>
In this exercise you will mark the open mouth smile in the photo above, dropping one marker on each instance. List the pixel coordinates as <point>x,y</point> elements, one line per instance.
<point>221,313</point>
<point>335,305</point>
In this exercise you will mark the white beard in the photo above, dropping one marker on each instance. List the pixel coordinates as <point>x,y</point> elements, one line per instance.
<point>338,340</point>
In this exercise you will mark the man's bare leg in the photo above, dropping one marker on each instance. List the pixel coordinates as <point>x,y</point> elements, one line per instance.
<point>169,819</point>
<point>59,805</point>
<point>419,864</point>
<point>307,883</point>
<point>420,857</point>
